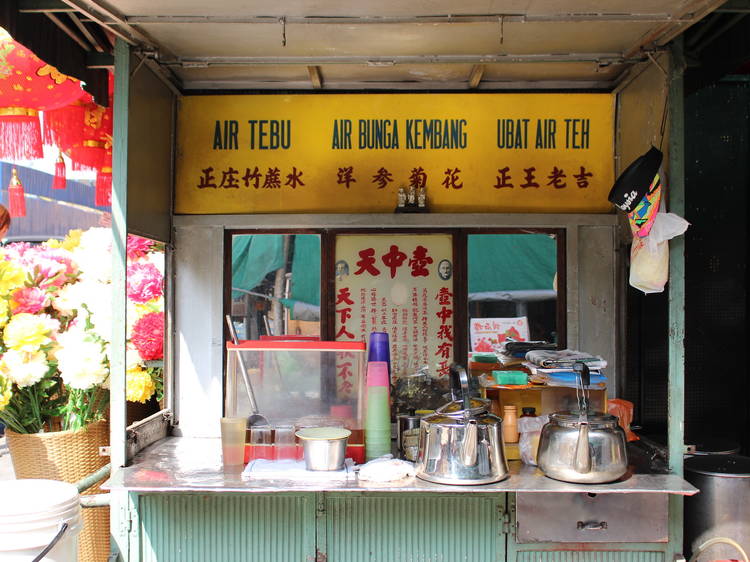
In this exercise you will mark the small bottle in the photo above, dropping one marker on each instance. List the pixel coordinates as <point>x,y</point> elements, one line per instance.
<point>510,424</point>
<point>528,412</point>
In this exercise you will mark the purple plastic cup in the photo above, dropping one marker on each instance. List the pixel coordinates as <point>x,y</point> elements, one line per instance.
<point>380,349</point>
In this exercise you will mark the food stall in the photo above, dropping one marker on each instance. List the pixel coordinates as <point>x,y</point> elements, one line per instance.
<point>527,141</point>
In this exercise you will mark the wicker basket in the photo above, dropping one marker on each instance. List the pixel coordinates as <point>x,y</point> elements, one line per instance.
<point>68,456</point>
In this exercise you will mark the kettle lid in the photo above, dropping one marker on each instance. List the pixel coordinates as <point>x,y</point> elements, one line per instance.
<point>595,419</point>
<point>456,407</point>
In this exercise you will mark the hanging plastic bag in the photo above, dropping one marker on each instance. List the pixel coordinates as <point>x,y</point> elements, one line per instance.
<point>649,256</point>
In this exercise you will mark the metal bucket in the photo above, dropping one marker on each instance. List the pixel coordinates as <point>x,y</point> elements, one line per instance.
<point>722,508</point>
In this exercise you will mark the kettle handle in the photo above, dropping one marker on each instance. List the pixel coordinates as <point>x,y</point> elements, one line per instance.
<point>460,384</point>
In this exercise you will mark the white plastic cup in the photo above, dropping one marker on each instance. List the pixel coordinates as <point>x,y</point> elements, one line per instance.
<point>32,512</point>
<point>233,441</point>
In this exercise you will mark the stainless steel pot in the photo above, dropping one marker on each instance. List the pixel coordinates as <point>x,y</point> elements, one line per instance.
<point>461,443</point>
<point>590,452</point>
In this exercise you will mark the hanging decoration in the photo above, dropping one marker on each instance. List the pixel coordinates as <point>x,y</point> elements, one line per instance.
<point>28,85</point>
<point>16,196</point>
<point>103,194</point>
<point>59,181</point>
<point>63,127</point>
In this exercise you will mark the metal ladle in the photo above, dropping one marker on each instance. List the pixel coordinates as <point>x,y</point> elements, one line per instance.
<point>255,417</point>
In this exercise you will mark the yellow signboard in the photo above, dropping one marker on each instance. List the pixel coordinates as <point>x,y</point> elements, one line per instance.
<point>350,153</point>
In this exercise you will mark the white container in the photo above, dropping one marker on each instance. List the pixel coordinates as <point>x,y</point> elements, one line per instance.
<point>32,513</point>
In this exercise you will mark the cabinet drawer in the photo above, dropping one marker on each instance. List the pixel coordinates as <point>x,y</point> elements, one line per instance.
<point>585,517</point>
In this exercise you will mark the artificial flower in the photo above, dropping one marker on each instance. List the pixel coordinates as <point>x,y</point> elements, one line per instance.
<point>138,247</point>
<point>144,282</point>
<point>5,392</point>
<point>24,368</point>
<point>29,332</point>
<point>148,336</point>
<point>81,360</point>
<point>12,276</point>
<point>29,299</point>
<point>93,255</point>
<point>139,385</point>
<point>3,312</point>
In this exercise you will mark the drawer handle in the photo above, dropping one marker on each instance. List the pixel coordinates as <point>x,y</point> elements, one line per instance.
<point>592,526</point>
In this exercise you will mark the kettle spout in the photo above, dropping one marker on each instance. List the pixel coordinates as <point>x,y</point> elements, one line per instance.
<point>469,444</point>
<point>583,453</point>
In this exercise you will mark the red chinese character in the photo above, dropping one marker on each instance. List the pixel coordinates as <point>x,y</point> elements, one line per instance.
<point>344,314</point>
<point>529,177</point>
<point>393,259</point>
<point>345,371</point>
<point>503,180</point>
<point>345,176</point>
<point>273,179</point>
<point>444,350</point>
<point>452,179</point>
<point>367,263</point>
<point>228,179</point>
<point>444,314</point>
<point>418,262</point>
<point>207,180</point>
<point>294,179</point>
<point>443,368</point>
<point>253,176</point>
<point>382,178</point>
<point>346,387</point>
<point>418,177</point>
<point>344,296</point>
<point>556,178</point>
<point>343,332</point>
<point>444,296</point>
<point>445,332</point>
<point>581,179</point>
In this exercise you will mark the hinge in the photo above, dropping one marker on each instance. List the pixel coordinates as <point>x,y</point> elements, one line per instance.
<point>506,521</point>
<point>320,556</point>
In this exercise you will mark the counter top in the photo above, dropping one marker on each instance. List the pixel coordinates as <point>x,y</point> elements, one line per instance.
<point>183,464</point>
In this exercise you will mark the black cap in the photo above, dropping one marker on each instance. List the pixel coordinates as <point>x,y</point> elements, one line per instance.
<point>633,184</point>
<point>528,411</point>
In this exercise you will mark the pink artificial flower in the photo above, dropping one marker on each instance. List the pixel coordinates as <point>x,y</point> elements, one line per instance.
<point>29,299</point>
<point>138,247</point>
<point>144,282</point>
<point>148,336</point>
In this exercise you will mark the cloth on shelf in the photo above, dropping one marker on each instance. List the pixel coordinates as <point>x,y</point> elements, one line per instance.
<point>295,470</point>
<point>386,469</point>
<point>564,359</point>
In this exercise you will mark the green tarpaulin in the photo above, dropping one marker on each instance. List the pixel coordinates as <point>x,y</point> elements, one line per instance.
<point>511,262</point>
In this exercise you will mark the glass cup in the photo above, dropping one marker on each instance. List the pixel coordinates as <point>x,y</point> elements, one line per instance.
<point>233,441</point>
<point>284,443</point>
<point>261,442</point>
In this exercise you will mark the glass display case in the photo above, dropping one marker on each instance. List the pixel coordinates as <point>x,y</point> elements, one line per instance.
<point>284,385</point>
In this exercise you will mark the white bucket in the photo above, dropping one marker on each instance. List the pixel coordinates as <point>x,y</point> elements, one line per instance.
<point>32,512</point>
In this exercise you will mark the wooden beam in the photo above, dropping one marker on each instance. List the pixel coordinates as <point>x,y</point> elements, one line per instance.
<point>476,75</point>
<point>86,33</point>
<point>315,77</point>
<point>38,6</point>
<point>68,31</point>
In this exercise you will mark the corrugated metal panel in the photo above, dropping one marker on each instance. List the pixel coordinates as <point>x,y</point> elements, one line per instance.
<point>227,527</point>
<point>419,528</point>
<point>577,556</point>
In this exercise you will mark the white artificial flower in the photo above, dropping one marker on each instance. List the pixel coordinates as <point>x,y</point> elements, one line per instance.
<point>80,360</point>
<point>70,298</point>
<point>94,255</point>
<point>157,259</point>
<point>24,368</point>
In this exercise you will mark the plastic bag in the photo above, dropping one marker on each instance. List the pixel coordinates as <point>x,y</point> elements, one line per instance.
<point>386,469</point>
<point>649,256</point>
<point>530,429</point>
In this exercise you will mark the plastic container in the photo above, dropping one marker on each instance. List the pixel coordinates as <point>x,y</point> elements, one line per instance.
<point>377,411</point>
<point>32,512</point>
<point>510,377</point>
<point>510,424</point>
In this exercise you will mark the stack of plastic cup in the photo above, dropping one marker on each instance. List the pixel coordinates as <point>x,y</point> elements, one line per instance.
<point>378,411</point>
<point>380,349</point>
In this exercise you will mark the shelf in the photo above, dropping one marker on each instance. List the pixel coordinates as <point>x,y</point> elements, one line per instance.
<point>181,464</point>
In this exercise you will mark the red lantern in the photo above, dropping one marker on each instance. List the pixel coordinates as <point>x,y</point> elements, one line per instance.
<point>28,85</point>
<point>16,196</point>
<point>63,127</point>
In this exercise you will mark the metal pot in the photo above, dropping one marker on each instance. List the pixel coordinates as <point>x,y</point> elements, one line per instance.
<point>461,443</point>
<point>587,452</point>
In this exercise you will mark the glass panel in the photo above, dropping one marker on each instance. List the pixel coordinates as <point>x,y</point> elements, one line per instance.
<point>276,285</point>
<point>512,286</point>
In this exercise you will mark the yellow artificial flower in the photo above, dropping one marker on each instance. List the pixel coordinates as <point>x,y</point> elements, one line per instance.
<point>139,386</point>
<point>5,393</point>
<point>12,277</point>
<point>28,332</point>
<point>72,240</point>
<point>3,312</point>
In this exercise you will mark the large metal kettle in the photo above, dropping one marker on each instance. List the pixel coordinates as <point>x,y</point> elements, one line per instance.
<point>583,447</point>
<point>461,443</point>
